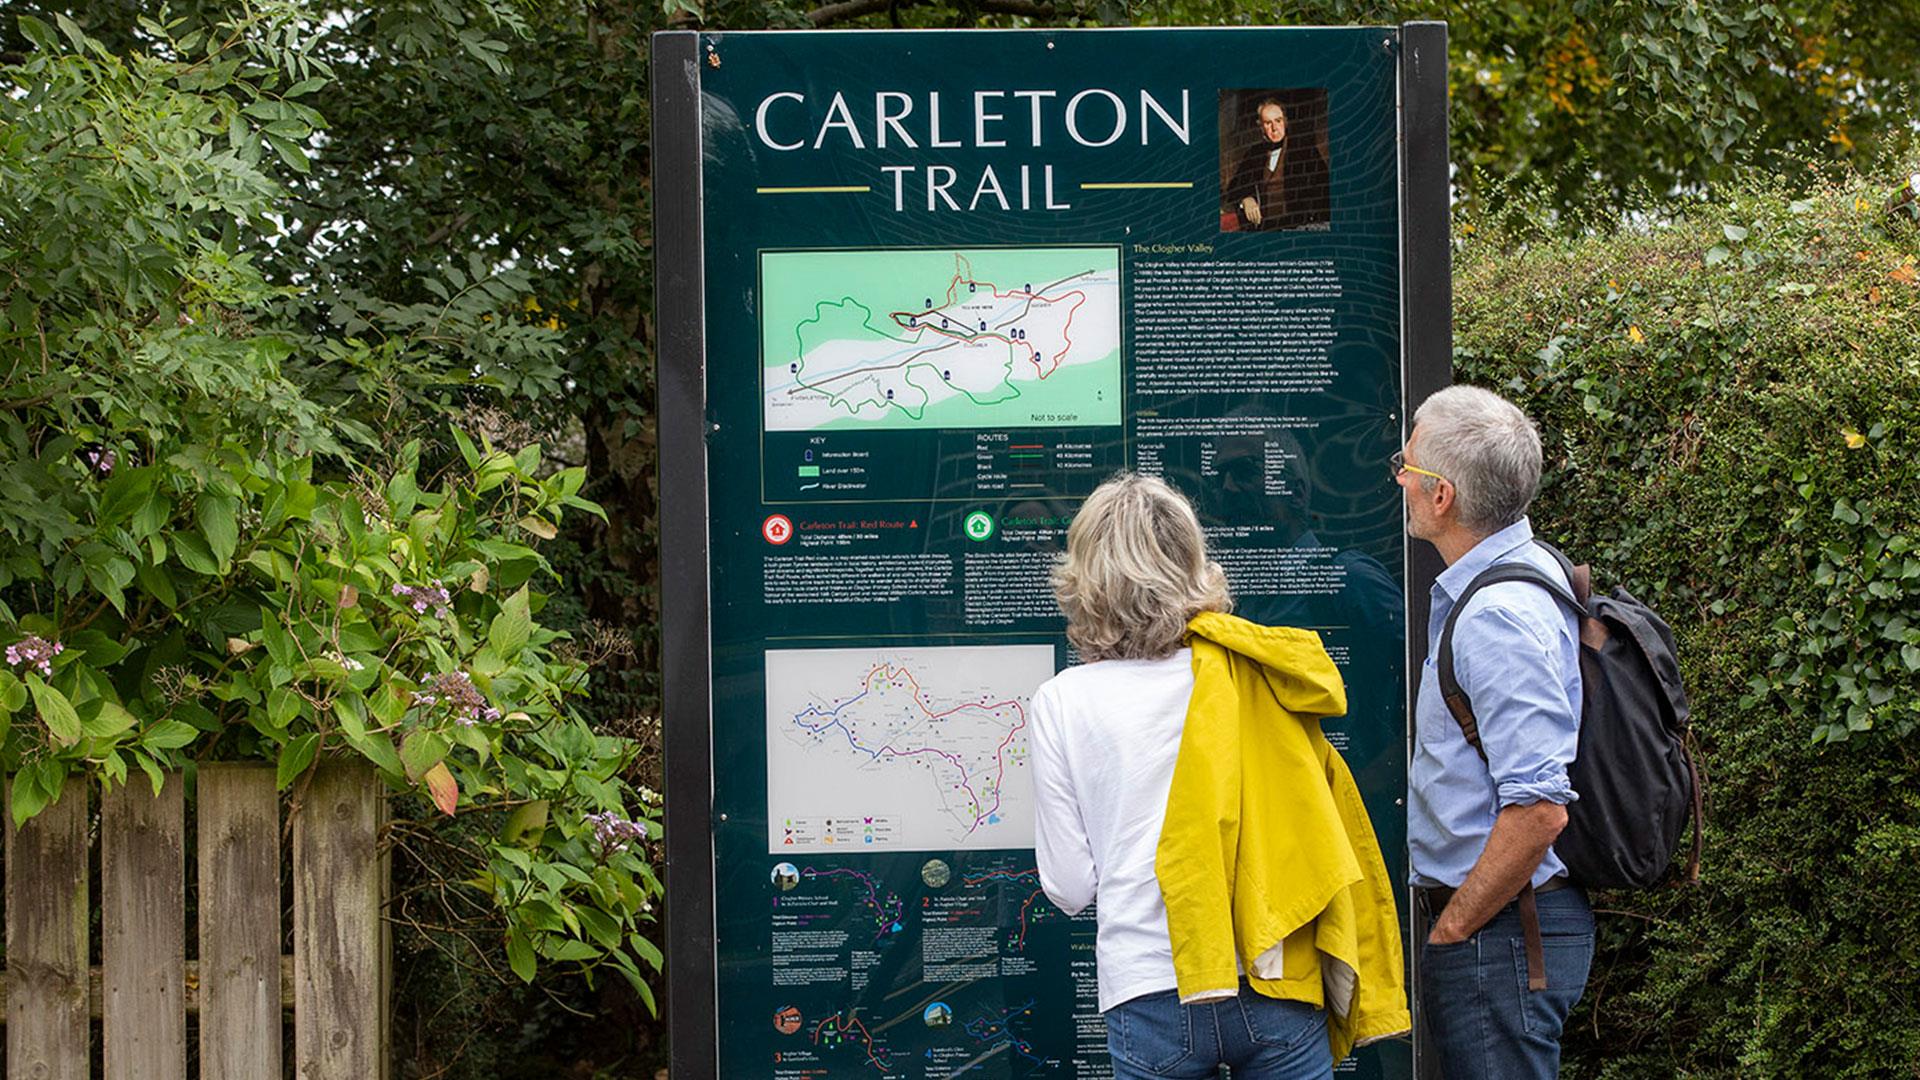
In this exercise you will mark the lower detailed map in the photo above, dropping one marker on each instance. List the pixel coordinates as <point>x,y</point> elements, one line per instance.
<point>917,749</point>
<point>968,338</point>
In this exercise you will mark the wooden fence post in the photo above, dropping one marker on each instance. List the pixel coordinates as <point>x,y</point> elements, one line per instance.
<point>240,992</point>
<point>143,930</point>
<point>339,966</point>
<point>47,922</point>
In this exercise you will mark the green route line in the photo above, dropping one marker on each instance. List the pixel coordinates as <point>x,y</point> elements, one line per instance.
<point>799,342</point>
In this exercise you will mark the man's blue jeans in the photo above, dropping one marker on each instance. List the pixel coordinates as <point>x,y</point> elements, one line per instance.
<point>1154,1037</point>
<point>1481,1020</point>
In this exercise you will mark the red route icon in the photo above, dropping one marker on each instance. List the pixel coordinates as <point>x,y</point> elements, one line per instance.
<point>777,529</point>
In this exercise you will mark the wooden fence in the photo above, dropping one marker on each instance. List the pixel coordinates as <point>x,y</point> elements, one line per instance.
<point>335,982</point>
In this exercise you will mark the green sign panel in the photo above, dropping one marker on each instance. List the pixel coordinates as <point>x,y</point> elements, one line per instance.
<point>928,289</point>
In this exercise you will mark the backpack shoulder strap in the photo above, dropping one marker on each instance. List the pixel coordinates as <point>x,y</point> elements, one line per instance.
<point>1579,575</point>
<point>1450,690</point>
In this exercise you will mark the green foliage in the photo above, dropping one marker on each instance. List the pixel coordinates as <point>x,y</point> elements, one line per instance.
<point>1727,403</point>
<point>1603,101</point>
<point>205,547</point>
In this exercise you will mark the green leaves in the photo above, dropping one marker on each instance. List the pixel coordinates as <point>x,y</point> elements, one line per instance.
<point>509,631</point>
<point>295,757</point>
<point>520,954</point>
<point>217,517</point>
<point>36,784</point>
<point>55,711</point>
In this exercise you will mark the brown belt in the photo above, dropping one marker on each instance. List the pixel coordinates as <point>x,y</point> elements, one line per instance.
<point>1436,899</point>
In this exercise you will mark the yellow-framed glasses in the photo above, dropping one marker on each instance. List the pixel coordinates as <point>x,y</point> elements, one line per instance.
<point>1399,462</point>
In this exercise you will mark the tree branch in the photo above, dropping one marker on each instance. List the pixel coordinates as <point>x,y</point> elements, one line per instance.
<point>847,10</point>
<point>460,221</point>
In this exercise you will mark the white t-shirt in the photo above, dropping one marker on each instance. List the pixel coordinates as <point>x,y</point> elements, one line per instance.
<point>1105,737</point>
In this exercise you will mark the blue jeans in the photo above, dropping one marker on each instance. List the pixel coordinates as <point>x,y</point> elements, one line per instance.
<point>1481,1020</point>
<point>1261,1038</point>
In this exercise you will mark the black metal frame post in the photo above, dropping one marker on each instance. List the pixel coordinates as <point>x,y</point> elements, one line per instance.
<point>686,646</point>
<point>1426,328</point>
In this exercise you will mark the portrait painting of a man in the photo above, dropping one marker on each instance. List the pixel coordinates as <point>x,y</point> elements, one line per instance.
<point>1274,172</point>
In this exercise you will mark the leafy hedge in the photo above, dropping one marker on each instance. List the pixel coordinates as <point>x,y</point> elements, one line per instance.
<point>217,540</point>
<point>1728,400</point>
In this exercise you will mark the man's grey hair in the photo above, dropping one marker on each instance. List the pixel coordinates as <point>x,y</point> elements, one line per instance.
<point>1487,447</point>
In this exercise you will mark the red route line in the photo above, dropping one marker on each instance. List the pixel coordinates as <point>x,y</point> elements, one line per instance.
<point>1019,940</point>
<point>998,759</point>
<point>840,1027</point>
<point>952,293</point>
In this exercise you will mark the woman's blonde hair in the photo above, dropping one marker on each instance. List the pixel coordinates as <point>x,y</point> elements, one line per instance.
<point>1136,569</point>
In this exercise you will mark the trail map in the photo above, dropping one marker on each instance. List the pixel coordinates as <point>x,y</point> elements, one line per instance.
<point>987,338</point>
<point>908,750</point>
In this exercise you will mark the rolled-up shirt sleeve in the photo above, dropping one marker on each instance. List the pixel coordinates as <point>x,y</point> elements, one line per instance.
<point>1062,850</point>
<point>1524,685</point>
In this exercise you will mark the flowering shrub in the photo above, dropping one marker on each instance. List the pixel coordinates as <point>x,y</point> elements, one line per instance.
<point>207,549</point>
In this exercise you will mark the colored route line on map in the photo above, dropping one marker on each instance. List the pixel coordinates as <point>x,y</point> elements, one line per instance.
<point>889,672</point>
<point>1030,879</point>
<point>837,1028</point>
<point>965,277</point>
<point>999,1029</point>
<point>962,276</point>
<point>887,913</point>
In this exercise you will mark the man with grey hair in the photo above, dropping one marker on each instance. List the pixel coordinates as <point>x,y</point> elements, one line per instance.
<point>1510,941</point>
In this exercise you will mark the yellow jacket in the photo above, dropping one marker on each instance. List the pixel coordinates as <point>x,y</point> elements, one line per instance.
<point>1267,856</point>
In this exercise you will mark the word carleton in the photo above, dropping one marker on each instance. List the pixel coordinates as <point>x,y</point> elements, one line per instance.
<point>998,119</point>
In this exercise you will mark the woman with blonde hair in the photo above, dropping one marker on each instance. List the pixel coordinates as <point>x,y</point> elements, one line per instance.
<point>1181,780</point>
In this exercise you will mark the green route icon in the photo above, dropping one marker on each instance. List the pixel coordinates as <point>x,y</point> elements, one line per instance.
<point>978,526</point>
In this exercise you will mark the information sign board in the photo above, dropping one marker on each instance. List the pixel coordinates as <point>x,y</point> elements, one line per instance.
<point>920,293</point>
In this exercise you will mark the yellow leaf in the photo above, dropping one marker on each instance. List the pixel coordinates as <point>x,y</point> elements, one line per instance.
<point>240,646</point>
<point>349,596</point>
<point>1634,335</point>
<point>444,788</point>
<point>538,527</point>
<point>1860,205</point>
<point>1855,440</point>
<point>1614,284</point>
<point>531,304</point>
<point>1904,273</point>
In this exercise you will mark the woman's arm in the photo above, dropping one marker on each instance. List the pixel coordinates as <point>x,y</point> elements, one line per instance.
<point>1061,848</point>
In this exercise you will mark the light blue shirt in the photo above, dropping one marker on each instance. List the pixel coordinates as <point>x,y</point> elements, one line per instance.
<point>1516,652</point>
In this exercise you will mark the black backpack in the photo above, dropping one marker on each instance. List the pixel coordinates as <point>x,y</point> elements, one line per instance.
<point>1635,772</point>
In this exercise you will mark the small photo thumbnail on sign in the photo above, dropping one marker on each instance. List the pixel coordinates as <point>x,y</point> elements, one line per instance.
<point>1274,172</point>
<point>786,1020</point>
<point>936,873</point>
<point>786,876</point>
<point>938,1015</point>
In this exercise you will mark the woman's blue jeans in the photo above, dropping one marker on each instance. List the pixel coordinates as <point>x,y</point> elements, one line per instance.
<point>1154,1037</point>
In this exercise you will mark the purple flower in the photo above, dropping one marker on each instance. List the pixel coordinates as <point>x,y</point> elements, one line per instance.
<point>102,459</point>
<point>614,832</point>
<point>34,651</point>
<point>422,597</point>
<point>456,691</point>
